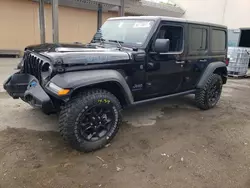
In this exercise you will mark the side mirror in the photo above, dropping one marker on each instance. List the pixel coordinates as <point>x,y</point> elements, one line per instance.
<point>161,45</point>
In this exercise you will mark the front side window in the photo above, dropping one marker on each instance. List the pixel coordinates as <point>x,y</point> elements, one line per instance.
<point>130,32</point>
<point>175,36</point>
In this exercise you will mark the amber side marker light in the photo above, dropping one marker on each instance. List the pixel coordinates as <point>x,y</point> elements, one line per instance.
<point>63,92</point>
<point>58,90</point>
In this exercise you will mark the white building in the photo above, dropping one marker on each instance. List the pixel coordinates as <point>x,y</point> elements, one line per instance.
<point>232,13</point>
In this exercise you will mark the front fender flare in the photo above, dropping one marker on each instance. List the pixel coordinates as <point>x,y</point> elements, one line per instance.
<point>210,70</point>
<point>76,80</point>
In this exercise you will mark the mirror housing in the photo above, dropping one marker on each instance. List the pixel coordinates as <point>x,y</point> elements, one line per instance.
<point>161,45</point>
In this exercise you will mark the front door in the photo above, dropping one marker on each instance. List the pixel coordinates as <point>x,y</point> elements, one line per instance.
<point>164,72</point>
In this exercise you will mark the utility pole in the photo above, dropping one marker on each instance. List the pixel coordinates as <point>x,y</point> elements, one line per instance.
<point>42,21</point>
<point>99,16</point>
<point>55,21</point>
<point>121,8</point>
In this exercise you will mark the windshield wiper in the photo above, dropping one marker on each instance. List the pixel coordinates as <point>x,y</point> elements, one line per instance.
<point>118,42</point>
<point>102,40</point>
<point>99,40</point>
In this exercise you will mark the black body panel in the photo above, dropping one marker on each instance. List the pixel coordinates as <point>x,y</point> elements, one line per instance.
<point>76,80</point>
<point>17,84</point>
<point>28,88</point>
<point>210,70</point>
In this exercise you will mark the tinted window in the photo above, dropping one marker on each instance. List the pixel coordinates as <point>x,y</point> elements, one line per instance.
<point>198,39</point>
<point>174,34</point>
<point>218,40</point>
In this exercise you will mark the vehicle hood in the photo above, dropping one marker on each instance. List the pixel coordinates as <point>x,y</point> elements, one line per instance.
<point>88,55</point>
<point>51,47</point>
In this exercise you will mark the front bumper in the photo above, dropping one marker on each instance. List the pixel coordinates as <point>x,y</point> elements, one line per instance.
<point>27,87</point>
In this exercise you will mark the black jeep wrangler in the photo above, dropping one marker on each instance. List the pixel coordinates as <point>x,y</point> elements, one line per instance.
<point>130,60</point>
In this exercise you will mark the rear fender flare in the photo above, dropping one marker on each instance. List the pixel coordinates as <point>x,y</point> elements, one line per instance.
<point>211,68</point>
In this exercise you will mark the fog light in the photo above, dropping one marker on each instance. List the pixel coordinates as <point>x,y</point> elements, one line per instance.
<point>59,91</point>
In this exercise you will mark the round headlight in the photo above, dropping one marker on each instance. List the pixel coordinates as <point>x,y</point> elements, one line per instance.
<point>46,70</point>
<point>45,67</point>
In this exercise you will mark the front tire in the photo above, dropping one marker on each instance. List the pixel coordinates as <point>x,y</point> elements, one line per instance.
<point>90,120</point>
<point>208,96</point>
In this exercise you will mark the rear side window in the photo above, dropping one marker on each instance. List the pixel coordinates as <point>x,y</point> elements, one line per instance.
<point>198,39</point>
<point>218,40</point>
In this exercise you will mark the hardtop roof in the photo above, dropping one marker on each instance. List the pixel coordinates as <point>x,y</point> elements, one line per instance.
<point>165,18</point>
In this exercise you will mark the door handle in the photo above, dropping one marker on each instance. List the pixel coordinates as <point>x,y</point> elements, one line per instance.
<point>150,65</point>
<point>203,60</point>
<point>180,62</point>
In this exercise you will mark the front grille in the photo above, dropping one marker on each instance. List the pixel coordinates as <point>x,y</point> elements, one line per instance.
<point>32,65</point>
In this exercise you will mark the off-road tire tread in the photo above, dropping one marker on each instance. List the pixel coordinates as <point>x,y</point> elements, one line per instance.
<point>200,96</point>
<point>65,126</point>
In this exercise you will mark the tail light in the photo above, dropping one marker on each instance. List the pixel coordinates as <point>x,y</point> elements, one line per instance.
<point>227,61</point>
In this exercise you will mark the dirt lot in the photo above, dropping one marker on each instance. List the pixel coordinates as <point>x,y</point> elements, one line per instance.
<point>170,144</point>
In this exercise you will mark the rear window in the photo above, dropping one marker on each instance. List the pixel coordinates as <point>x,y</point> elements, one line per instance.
<point>218,40</point>
<point>199,39</point>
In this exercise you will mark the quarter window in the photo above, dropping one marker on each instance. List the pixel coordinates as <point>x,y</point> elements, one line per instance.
<point>218,40</point>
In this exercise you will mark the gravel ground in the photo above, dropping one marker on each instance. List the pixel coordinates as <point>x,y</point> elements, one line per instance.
<point>169,143</point>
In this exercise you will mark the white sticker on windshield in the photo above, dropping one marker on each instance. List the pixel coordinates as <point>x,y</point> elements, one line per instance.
<point>141,24</point>
<point>120,24</point>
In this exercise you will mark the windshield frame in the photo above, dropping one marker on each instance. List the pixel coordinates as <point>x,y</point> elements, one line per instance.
<point>131,45</point>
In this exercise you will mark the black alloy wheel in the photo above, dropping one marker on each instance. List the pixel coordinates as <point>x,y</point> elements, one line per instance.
<point>96,122</point>
<point>90,120</point>
<point>214,93</point>
<point>208,96</point>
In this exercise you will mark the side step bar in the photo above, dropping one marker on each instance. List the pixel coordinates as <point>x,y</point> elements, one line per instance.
<point>164,97</point>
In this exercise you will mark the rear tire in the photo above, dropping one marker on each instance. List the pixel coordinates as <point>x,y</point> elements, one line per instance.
<point>208,96</point>
<point>90,120</point>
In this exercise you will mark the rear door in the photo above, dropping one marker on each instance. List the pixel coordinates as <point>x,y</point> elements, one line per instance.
<point>197,57</point>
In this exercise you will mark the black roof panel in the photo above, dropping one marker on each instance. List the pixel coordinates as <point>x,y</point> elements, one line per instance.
<point>164,18</point>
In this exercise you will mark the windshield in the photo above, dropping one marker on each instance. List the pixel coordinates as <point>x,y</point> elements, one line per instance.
<point>131,32</point>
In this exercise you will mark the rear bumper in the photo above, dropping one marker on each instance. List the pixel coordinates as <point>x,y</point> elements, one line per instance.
<point>27,87</point>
